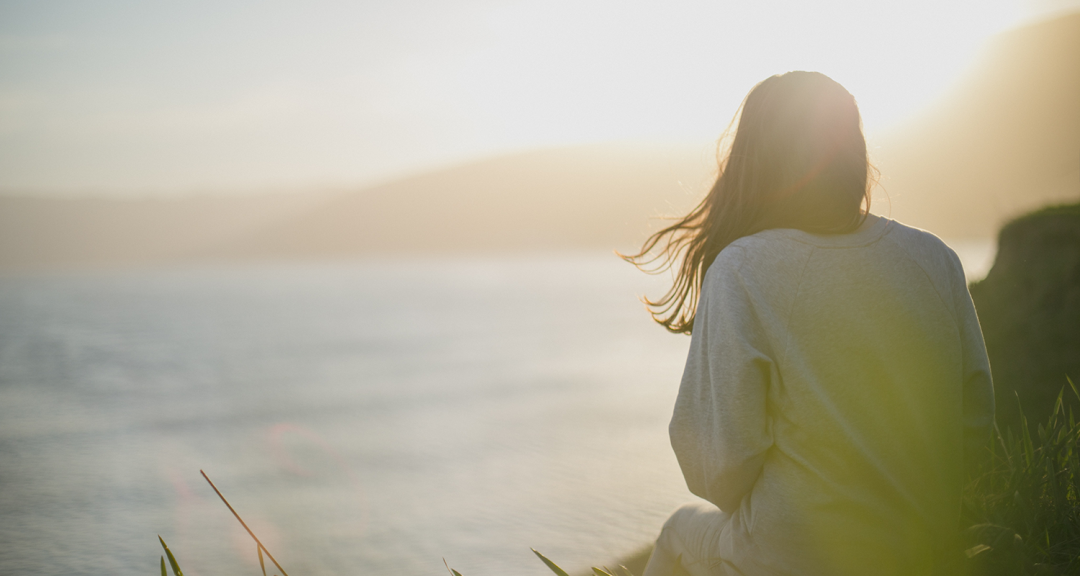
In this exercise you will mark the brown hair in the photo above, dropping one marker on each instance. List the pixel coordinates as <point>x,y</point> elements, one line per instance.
<point>798,160</point>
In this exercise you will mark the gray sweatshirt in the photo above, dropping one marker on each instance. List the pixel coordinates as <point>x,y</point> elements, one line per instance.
<point>834,386</point>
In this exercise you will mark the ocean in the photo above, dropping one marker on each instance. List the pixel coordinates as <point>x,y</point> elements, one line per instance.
<point>373,416</point>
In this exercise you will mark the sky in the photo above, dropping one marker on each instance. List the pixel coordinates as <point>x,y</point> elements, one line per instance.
<point>227,96</point>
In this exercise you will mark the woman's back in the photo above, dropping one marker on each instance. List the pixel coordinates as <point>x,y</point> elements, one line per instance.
<point>837,378</point>
<point>830,383</point>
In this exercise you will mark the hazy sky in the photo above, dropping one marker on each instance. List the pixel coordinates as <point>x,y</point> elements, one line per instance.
<point>152,97</point>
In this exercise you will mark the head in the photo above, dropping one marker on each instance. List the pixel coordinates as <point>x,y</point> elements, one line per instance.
<point>797,160</point>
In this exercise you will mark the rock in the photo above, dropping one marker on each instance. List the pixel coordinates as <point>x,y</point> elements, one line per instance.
<point>1029,308</point>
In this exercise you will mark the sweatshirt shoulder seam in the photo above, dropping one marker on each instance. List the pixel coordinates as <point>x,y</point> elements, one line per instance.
<point>791,309</point>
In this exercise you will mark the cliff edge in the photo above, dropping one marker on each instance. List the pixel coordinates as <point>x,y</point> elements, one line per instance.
<point>1029,308</point>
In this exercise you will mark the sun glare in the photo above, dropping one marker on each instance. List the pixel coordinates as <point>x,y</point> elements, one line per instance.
<point>638,70</point>
<point>355,93</point>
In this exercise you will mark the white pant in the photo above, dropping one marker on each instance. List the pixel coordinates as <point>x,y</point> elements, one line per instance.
<point>692,535</point>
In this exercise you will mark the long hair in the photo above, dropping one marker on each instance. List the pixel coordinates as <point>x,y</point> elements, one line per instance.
<point>798,160</point>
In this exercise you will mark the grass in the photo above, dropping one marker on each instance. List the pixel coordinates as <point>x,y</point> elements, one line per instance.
<point>1024,505</point>
<point>260,549</point>
<point>1021,507</point>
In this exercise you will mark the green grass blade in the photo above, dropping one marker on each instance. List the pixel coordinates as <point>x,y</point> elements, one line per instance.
<point>976,550</point>
<point>599,572</point>
<point>172,559</point>
<point>452,571</point>
<point>1025,438</point>
<point>242,523</point>
<point>554,567</point>
<point>163,573</point>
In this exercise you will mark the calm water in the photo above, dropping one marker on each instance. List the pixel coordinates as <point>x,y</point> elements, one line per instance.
<point>368,417</point>
<point>371,417</point>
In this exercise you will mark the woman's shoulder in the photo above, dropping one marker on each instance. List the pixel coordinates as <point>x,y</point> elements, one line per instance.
<point>926,248</point>
<point>875,230</point>
<point>783,253</point>
<point>764,257</point>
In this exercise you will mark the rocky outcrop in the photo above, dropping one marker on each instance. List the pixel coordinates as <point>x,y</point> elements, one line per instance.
<point>1029,307</point>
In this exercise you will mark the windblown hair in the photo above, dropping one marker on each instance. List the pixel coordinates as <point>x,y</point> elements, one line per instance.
<point>798,160</point>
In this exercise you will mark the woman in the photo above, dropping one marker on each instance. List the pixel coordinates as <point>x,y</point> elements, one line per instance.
<point>837,379</point>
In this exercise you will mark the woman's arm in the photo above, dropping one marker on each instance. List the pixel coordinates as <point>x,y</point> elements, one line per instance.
<point>978,411</point>
<point>719,429</point>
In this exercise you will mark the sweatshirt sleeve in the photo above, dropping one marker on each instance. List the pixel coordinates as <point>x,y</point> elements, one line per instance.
<point>719,430</point>
<point>978,396</point>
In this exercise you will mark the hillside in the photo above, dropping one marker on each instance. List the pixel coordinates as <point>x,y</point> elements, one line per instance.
<point>597,196</point>
<point>1004,140</point>
<point>50,233</point>
<point>1029,308</point>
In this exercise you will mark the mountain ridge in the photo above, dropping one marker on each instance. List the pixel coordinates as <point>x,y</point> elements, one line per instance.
<point>1003,140</point>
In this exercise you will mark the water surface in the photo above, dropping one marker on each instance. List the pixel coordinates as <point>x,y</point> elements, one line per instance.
<point>372,416</point>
